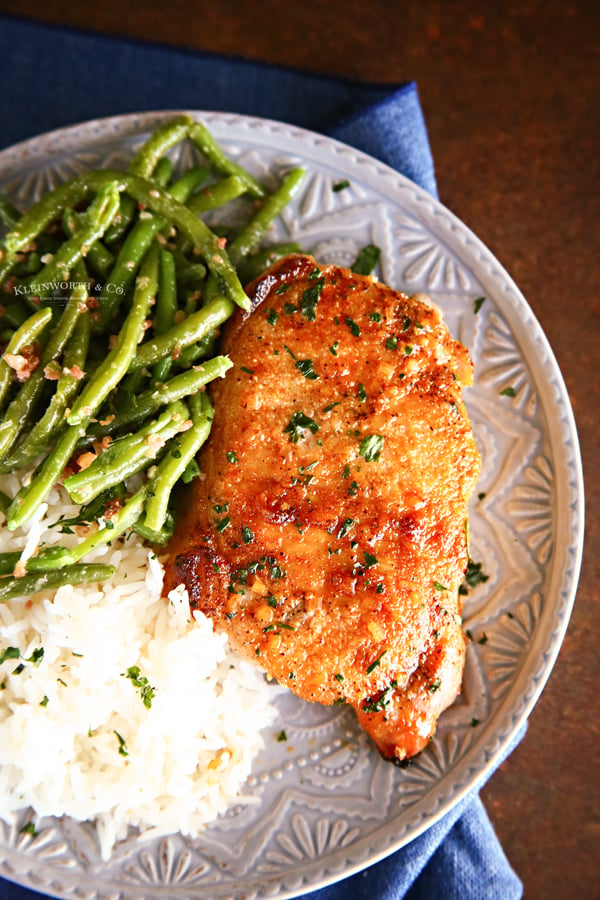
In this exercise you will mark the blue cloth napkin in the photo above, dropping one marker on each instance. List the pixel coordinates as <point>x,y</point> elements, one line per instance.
<point>51,77</point>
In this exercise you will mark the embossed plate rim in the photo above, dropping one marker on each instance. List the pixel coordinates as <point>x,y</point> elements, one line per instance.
<point>512,712</point>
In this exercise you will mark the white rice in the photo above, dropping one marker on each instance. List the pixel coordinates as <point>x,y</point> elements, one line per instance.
<point>67,721</point>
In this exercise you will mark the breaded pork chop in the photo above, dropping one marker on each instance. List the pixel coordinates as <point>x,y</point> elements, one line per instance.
<point>327,533</point>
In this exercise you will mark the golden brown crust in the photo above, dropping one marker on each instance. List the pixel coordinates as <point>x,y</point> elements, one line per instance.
<point>336,571</point>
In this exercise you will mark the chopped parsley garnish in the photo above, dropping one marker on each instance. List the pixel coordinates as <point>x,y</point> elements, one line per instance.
<point>375,316</point>
<point>310,297</point>
<point>45,700</point>
<point>371,446</point>
<point>407,322</point>
<point>483,639</point>
<point>339,677</point>
<point>122,745</point>
<point>289,309</point>
<point>28,828</point>
<point>346,472</point>
<point>473,576</point>
<point>36,657</point>
<point>272,317</point>
<point>231,456</point>
<point>340,185</point>
<point>382,701</point>
<point>353,489</point>
<point>370,560</point>
<point>375,663</point>
<point>330,406</point>
<point>221,508</point>
<point>147,692</point>
<point>333,348</point>
<point>9,653</point>
<point>247,535</point>
<point>92,511</point>
<point>380,589</point>
<point>246,369</point>
<point>435,685</point>
<point>407,350</point>
<point>306,367</point>
<point>354,328</point>
<point>299,423</point>
<point>282,289</point>
<point>362,394</point>
<point>439,587</point>
<point>392,343</point>
<point>345,528</point>
<point>284,625</point>
<point>272,601</point>
<point>477,304</point>
<point>282,736</point>
<point>222,524</point>
<point>508,392</point>
<point>191,471</point>
<point>366,260</point>
<point>474,722</point>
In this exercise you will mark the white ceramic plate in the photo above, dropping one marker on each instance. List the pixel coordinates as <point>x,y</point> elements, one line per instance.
<point>328,805</point>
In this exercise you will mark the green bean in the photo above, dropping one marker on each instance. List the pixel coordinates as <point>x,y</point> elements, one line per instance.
<point>5,502</point>
<point>199,350</point>
<point>113,368</point>
<point>148,156</point>
<point>216,157</point>
<point>126,457</point>
<point>30,497</point>
<point>39,563</point>
<point>252,234</point>
<point>166,300</point>
<point>22,407</point>
<point>8,261</point>
<point>155,537</point>
<point>134,248</point>
<point>185,186</point>
<point>213,196</point>
<point>9,214</point>
<point>146,404</point>
<point>99,256</point>
<point>24,336</point>
<point>155,199</point>
<point>94,223</point>
<point>51,580</point>
<point>191,274</point>
<point>192,329</point>
<point>254,265</point>
<point>121,221</point>
<point>173,465</point>
<point>53,419</point>
<point>160,141</point>
<point>128,206</point>
<point>163,171</point>
<point>31,265</point>
<point>124,271</point>
<point>122,520</point>
<point>166,307</point>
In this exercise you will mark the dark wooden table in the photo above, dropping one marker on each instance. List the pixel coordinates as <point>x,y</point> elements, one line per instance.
<point>510,93</point>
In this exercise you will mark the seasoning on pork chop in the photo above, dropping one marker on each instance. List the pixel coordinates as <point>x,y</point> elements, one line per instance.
<point>327,533</point>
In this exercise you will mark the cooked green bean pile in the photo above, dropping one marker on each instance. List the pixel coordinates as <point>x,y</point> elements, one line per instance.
<point>107,382</point>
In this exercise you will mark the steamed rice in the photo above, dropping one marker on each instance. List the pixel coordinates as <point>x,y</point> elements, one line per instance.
<point>76,737</point>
